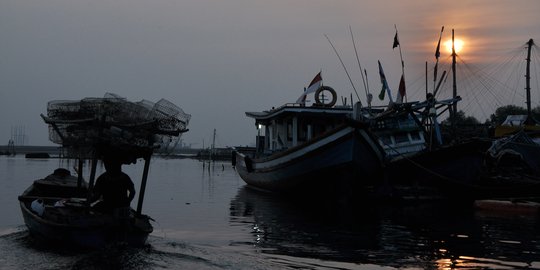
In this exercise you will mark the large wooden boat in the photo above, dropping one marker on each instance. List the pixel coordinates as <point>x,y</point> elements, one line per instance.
<point>328,149</point>
<point>311,148</point>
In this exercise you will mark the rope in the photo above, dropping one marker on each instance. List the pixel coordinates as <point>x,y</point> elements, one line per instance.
<point>422,167</point>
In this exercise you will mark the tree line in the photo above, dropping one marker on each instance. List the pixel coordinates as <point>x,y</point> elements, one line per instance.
<point>496,118</point>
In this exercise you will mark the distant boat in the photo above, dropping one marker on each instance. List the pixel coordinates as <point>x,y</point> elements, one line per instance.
<point>37,155</point>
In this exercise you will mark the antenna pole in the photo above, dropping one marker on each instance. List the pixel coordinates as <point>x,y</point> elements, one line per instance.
<point>359,66</point>
<point>343,65</point>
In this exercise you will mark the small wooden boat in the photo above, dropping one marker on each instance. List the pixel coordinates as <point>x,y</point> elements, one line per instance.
<point>55,211</point>
<point>58,209</point>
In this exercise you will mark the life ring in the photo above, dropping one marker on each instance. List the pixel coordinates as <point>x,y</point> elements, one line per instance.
<point>318,101</point>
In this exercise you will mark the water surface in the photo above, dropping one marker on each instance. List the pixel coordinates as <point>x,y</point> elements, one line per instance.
<point>206,218</point>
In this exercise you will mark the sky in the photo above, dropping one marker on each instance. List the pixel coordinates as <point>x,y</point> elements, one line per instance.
<point>217,59</point>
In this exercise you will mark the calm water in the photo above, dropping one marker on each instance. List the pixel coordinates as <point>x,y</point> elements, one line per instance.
<point>206,218</point>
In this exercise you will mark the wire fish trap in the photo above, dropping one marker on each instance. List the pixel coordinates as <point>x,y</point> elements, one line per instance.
<point>113,121</point>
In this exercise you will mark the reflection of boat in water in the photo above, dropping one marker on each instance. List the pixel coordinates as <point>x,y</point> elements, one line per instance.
<point>291,226</point>
<point>442,234</point>
<point>58,209</point>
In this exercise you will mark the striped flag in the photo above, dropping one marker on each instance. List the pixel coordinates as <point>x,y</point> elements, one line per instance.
<point>314,85</point>
<point>384,83</point>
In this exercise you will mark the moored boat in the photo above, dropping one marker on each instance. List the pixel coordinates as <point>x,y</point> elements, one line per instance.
<point>345,156</point>
<point>323,149</point>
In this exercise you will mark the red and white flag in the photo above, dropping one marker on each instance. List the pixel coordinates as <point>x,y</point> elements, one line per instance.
<point>314,85</point>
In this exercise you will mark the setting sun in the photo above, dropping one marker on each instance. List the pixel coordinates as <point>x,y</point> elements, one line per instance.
<point>458,44</point>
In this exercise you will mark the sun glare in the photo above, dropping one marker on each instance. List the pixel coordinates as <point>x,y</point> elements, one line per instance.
<point>458,44</point>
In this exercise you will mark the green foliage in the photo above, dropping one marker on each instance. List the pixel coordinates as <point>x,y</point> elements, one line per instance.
<point>496,118</point>
<point>502,112</point>
<point>462,119</point>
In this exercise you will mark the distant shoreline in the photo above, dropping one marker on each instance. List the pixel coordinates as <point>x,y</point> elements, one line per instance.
<point>55,151</point>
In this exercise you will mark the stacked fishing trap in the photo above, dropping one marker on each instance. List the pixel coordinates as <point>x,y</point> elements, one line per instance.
<point>113,123</point>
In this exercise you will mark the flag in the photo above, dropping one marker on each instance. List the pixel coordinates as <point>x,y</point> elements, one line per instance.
<point>401,90</point>
<point>302,98</point>
<point>314,85</point>
<point>396,41</point>
<point>437,55</point>
<point>383,80</point>
<point>384,84</point>
<point>437,52</point>
<point>381,94</point>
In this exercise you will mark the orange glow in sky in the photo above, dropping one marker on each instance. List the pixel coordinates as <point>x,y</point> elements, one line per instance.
<point>458,44</point>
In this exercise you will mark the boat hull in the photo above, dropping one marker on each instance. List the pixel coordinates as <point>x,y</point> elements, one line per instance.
<point>348,157</point>
<point>460,171</point>
<point>81,235</point>
<point>60,217</point>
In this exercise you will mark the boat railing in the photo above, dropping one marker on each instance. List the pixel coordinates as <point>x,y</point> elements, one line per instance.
<point>299,105</point>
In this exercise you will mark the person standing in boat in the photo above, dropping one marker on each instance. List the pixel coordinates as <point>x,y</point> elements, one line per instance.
<point>114,187</point>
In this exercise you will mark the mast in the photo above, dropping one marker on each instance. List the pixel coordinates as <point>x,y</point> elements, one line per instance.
<point>454,86</point>
<point>426,81</point>
<point>437,55</point>
<point>528,80</point>
<point>402,67</point>
<point>213,145</point>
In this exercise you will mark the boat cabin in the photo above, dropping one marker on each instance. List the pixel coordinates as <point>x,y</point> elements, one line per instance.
<point>293,124</point>
<point>399,135</point>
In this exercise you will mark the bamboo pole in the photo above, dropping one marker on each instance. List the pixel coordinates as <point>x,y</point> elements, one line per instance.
<point>143,184</point>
